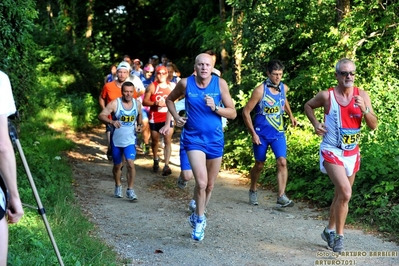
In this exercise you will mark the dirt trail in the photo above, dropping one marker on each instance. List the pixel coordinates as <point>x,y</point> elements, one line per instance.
<point>154,230</point>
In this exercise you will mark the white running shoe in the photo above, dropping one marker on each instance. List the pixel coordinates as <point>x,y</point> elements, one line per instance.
<point>284,201</point>
<point>199,230</point>
<point>118,192</point>
<point>253,197</point>
<point>130,194</point>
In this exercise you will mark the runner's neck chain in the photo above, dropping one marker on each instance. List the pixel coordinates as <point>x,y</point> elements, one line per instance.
<point>270,84</point>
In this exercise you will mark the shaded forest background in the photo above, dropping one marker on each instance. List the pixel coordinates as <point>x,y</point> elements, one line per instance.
<point>57,53</point>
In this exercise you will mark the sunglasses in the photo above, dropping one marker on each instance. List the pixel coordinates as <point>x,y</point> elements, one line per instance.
<point>162,73</point>
<point>344,73</point>
<point>149,72</point>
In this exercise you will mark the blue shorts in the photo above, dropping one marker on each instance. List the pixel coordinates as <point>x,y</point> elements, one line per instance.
<point>129,152</point>
<point>279,148</point>
<point>184,162</point>
<point>212,150</point>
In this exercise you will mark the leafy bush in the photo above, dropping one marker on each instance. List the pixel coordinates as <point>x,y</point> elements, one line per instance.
<point>17,48</point>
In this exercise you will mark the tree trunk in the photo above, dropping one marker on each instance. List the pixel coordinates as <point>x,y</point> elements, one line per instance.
<point>223,53</point>
<point>89,29</point>
<point>50,15</point>
<point>238,17</point>
<point>343,8</point>
<point>68,11</point>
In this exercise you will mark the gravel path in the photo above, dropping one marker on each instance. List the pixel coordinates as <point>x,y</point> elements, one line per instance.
<point>154,230</point>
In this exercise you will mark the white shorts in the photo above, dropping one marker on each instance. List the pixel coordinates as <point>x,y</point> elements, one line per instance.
<point>350,160</point>
<point>3,203</point>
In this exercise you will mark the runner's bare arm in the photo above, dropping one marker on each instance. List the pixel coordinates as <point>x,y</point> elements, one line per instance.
<point>176,93</point>
<point>165,129</point>
<point>287,108</point>
<point>147,96</point>
<point>103,116</point>
<point>101,101</point>
<point>246,112</point>
<point>367,109</point>
<point>229,111</point>
<point>320,100</point>
<point>139,117</point>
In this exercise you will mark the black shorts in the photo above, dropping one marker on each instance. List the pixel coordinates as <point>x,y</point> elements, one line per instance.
<point>3,198</point>
<point>158,126</point>
<point>109,128</point>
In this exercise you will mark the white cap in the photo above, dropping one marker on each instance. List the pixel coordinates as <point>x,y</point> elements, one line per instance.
<point>124,65</point>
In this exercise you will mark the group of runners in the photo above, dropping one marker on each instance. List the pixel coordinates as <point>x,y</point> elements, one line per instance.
<point>132,97</point>
<point>207,105</point>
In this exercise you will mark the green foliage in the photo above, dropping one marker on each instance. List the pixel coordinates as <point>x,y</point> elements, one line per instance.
<point>17,48</point>
<point>307,38</point>
<point>237,150</point>
<point>193,26</point>
<point>64,50</point>
<point>29,242</point>
<point>59,107</point>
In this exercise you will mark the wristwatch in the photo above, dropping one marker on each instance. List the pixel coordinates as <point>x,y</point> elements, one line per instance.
<point>216,108</point>
<point>367,111</point>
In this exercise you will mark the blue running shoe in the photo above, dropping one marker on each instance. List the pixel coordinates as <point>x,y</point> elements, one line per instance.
<point>192,220</point>
<point>338,243</point>
<point>328,237</point>
<point>198,233</point>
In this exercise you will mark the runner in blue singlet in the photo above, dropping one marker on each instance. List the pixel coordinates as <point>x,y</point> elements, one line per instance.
<point>203,137</point>
<point>270,102</point>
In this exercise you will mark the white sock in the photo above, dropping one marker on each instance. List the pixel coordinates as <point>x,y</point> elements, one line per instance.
<point>201,218</point>
<point>329,230</point>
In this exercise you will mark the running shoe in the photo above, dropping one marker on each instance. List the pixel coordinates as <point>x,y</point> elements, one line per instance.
<point>130,194</point>
<point>118,192</point>
<point>192,220</point>
<point>328,237</point>
<point>192,206</point>
<point>284,201</point>
<point>338,243</point>
<point>253,197</point>
<point>199,230</point>
<point>181,183</point>
<point>166,170</point>
<point>155,167</point>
